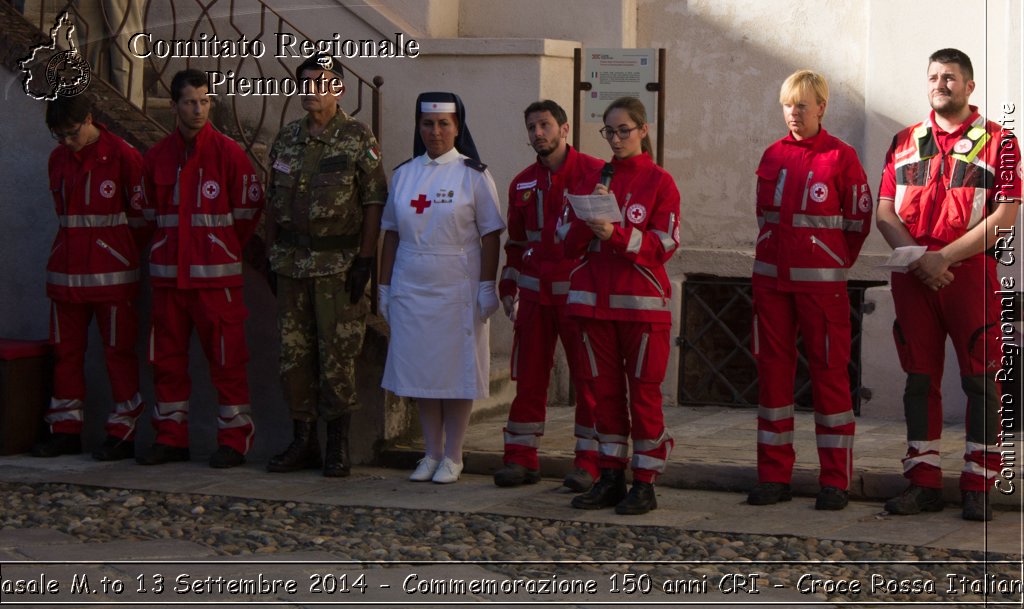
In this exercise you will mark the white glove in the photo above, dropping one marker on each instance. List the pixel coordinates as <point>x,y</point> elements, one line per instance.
<point>383,291</point>
<point>511,306</point>
<point>486,299</point>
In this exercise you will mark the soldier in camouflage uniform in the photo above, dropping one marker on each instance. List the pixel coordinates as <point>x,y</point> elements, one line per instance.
<point>326,194</point>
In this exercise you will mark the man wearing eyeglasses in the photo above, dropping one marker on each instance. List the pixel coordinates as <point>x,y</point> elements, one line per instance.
<point>93,271</point>
<point>533,288</point>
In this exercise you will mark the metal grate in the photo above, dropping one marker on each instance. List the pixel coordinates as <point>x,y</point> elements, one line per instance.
<point>716,366</point>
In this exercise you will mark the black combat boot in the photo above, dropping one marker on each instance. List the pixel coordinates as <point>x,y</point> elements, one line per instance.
<point>337,463</point>
<point>639,500</point>
<point>302,453</point>
<point>608,491</point>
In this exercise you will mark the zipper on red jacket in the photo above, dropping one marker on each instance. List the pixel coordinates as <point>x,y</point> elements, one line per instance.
<point>103,244</point>
<point>223,246</point>
<point>827,250</point>
<point>176,198</point>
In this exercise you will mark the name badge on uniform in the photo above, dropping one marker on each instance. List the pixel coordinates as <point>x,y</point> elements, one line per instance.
<point>283,167</point>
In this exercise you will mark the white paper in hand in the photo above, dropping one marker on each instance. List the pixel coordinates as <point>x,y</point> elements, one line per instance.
<point>903,257</point>
<point>596,207</point>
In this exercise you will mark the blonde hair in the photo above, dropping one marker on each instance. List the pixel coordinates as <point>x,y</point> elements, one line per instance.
<point>801,82</point>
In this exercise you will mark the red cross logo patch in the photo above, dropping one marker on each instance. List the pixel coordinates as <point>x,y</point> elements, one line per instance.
<point>636,213</point>
<point>254,191</point>
<point>420,203</point>
<point>211,189</point>
<point>864,204</point>
<point>819,191</point>
<point>107,189</point>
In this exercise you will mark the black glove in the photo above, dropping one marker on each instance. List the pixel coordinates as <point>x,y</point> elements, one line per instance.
<point>358,277</point>
<point>271,277</point>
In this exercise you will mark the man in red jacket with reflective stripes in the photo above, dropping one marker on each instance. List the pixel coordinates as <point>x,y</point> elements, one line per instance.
<point>533,288</point>
<point>204,199</point>
<point>93,271</point>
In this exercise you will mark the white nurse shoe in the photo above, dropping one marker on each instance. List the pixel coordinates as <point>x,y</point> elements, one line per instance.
<point>424,469</point>
<point>447,472</point>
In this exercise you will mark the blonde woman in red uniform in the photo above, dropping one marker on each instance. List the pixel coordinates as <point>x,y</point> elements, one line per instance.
<point>622,296</point>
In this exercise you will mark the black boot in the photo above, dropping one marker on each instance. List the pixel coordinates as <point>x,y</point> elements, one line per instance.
<point>640,500</point>
<point>608,491</point>
<point>302,453</point>
<point>337,463</point>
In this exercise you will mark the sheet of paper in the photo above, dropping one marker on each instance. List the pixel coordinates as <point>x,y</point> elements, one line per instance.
<point>596,207</point>
<point>903,257</point>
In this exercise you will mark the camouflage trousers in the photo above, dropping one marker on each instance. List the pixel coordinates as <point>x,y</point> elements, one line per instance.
<point>321,337</point>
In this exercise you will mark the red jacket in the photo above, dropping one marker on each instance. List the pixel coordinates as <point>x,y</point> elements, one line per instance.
<point>205,203</point>
<point>535,261</point>
<point>814,212</point>
<point>976,173</point>
<point>98,196</point>
<point>624,277</point>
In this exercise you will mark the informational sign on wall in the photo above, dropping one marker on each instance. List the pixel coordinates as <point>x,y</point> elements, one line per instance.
<point>615,73</point>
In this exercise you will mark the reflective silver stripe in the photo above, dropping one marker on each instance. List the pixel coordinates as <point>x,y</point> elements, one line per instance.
<point>667,241</point>
<point>113,326</point>
<point>834,441</point>
<point>149,214</point>
<point>833,420</point>
<point>110,250</point>
<point>772,217</point>
<point>779,184</point>
<point>931,459</point>
<point>763,268</point>
<point>509,273</point>
<point>533,236</point>
<point>809,221</point>
<point>774,439</point>
<point>128,405</point>
<point>648,462</point>
<point>56,323</point>
<point>590,353</point>
<point>176,412</point>
<point>637,303</point>
<point>230,411</point>
<point>208,271</point>
<point>586,444</point>
<point>853,226</point>
<point>92,220</point>
<point>757,340</point>
<point>245,189</point>
<point>95,280</point>
<point>213,220</point>
<point>540,207</point>
<point>525,428</point>
<point>970,467</point>
<point>136,222</point>
<point>976,447</point>
<point>529,440</point>
<point>641,353</point>
<point>780,413</point>
<point>765,235</point>
<point>826,249</point>
<point>584,432</point>
<point>528,282</point>
<point>240,420</point>
<point>560,288</point>
<point>517,243</point>
<point>223,352</point>
<point>817,274</point>
<point>64,410</point>
<point>224,246</point>
<point>807,189</point>
<point>649,276</point>
<point>88,189</point>
<point>647,445</point>
<point>620,451</point>
<point>126,413</point>
<point>163,270</point>
<point>167,220</point>
<point>636,239</point>
<point>608,438</point>
<point>583,298</point>
<point>562,231</point>
<point>152,343</point>
<point>923,446</point>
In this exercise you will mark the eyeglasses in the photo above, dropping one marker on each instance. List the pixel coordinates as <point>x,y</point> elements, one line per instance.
<point>623,132</point>
<point>63,135</point>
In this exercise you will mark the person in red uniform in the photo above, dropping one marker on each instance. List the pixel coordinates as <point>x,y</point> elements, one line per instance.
<point>205,200</point>
<point>814,212</point>
<point>621,294</point>
<point>533,289</point>
<point>952,184</point>
<point>93,271</point>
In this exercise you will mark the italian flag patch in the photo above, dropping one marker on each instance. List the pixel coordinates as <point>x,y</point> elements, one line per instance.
<point>373,154</point>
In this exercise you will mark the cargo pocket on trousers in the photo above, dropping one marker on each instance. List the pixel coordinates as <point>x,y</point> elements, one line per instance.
<point>651,355</point>
<point>349,322</point>
<point>230,347</point>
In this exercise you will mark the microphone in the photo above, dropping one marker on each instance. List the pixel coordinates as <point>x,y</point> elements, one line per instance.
<point>606,174</point>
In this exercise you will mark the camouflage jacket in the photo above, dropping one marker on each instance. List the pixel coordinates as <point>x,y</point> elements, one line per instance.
<point>318,188</point>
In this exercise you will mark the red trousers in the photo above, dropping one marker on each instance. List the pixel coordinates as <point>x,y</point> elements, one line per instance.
<point>633,356</point>
<point>537,329</point>
<point>967,310</point>
<point>218,316</point>
<point>118,323</point>
<point>823,321</point>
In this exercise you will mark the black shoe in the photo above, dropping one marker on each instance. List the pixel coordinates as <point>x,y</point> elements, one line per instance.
<point>162,453</point>
<point>639,500</point>
<point>579,480</point>
<point>832,498</point>
<point>337,462</point>
<point>976,506</point>
<point>226,457</point>
<point>114,449</point>
<point>914,500</point>
<point>58,444</point>
<point>769,493</point>
<point>513,474</point>
<point>609,491</point>
<point>302,453</point>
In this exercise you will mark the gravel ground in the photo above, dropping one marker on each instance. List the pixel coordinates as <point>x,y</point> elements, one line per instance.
<point>243,527</point>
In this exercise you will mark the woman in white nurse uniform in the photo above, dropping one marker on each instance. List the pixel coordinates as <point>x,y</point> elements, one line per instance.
<point>442,226</point>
